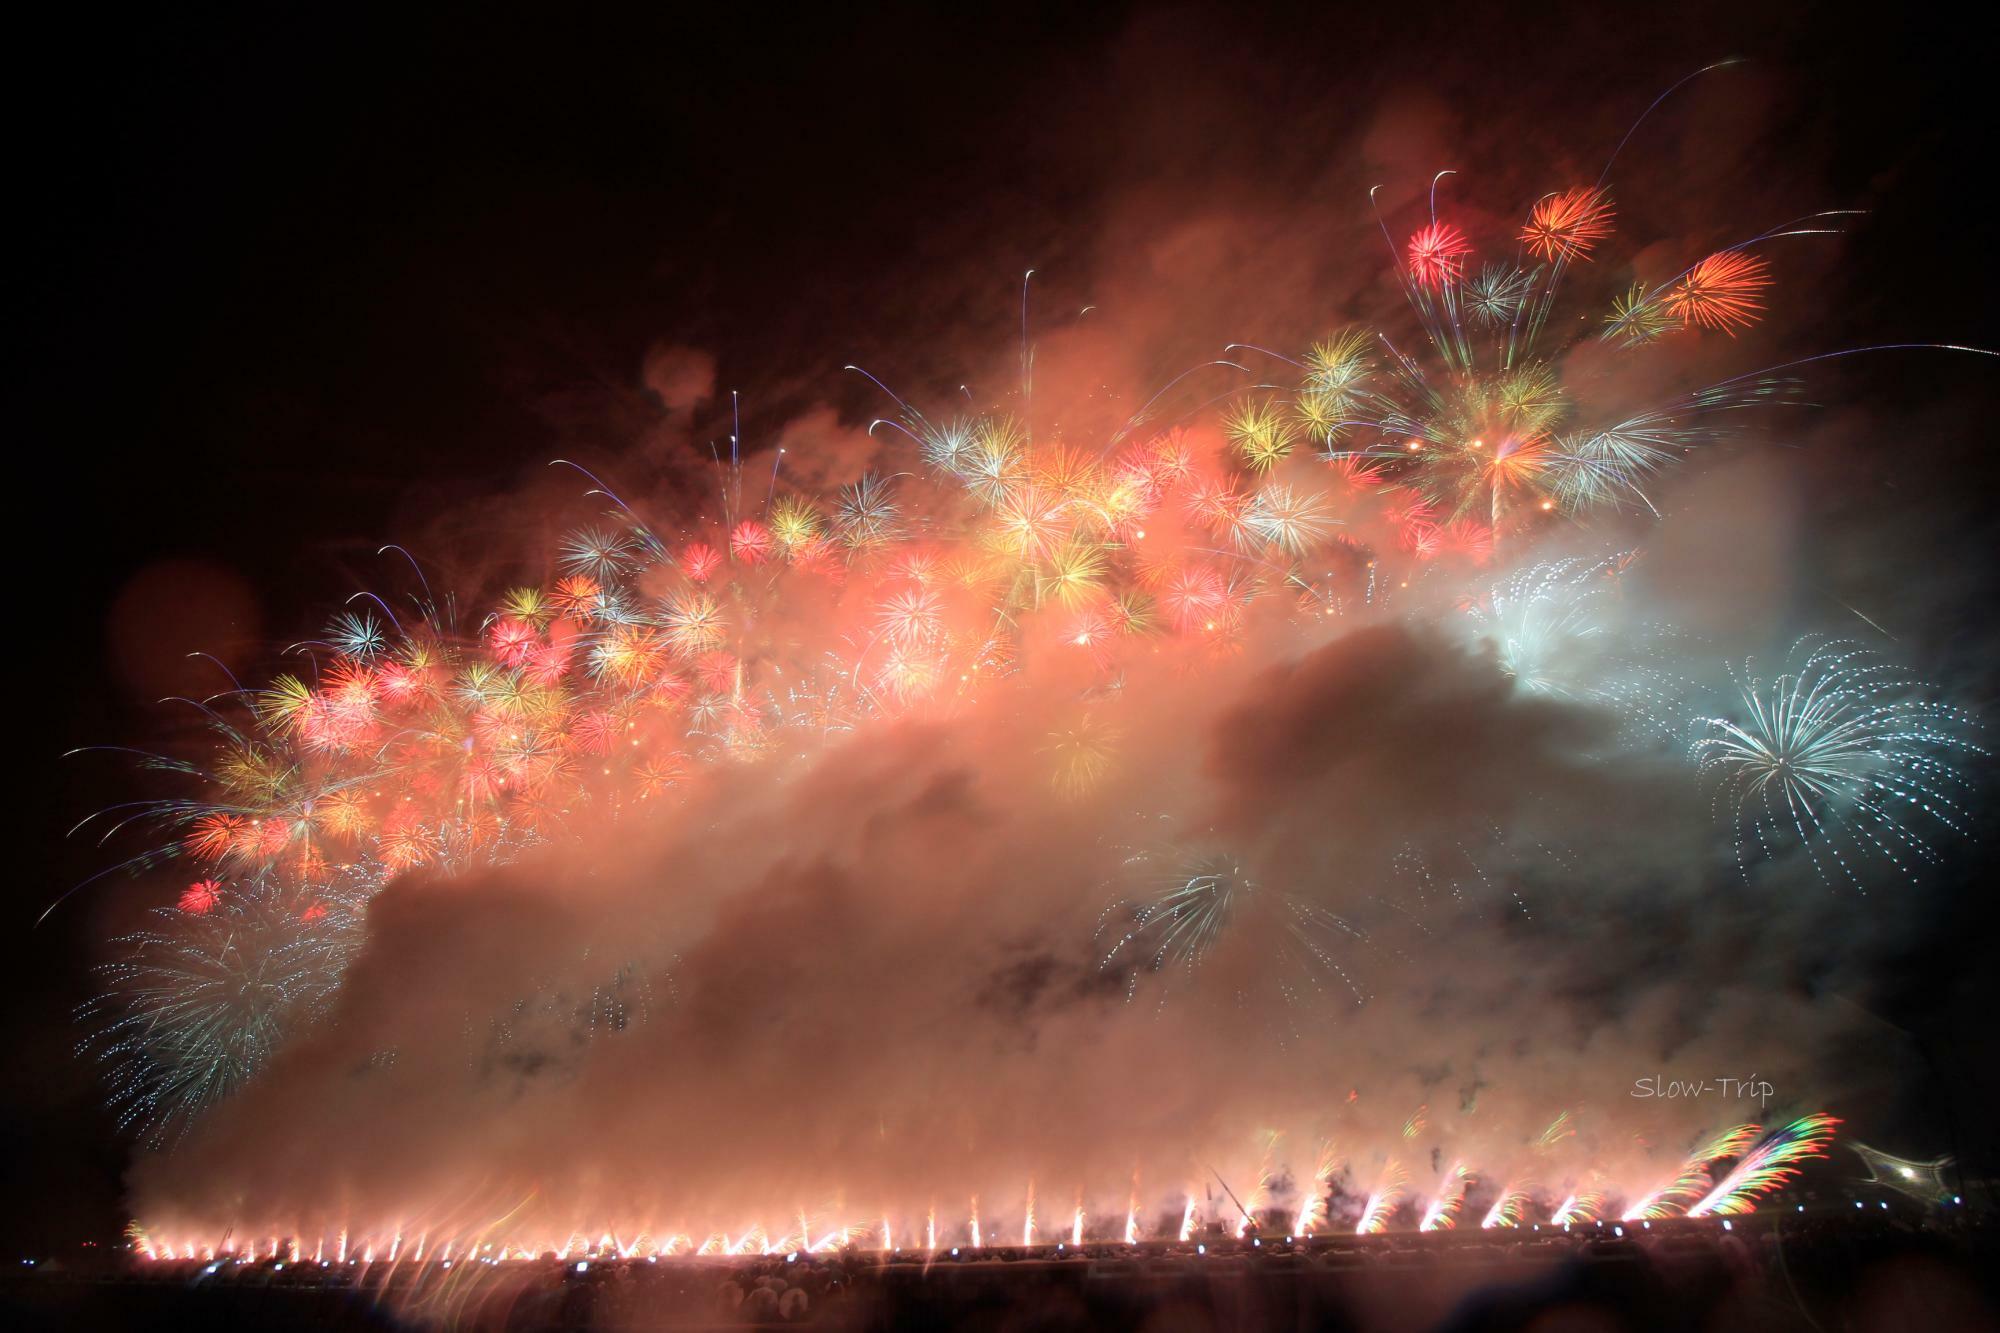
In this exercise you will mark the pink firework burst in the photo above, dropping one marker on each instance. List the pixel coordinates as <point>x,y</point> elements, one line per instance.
<point>1437,255</point>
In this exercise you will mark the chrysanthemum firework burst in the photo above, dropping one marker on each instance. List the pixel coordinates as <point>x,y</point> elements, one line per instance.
<point>1845,754</point>
<point>1437,255</point>
<point>205,996</point>
<point>1723,292</point>
<point>1567,225</point>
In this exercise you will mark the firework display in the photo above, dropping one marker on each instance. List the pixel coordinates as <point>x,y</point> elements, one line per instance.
<point>1443,483</point>
<point>1767,1166</point>
<point>1841,729</point>
<point>1327,1205</point>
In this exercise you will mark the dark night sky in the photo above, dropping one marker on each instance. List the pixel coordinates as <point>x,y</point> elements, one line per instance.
<point>296,281</point>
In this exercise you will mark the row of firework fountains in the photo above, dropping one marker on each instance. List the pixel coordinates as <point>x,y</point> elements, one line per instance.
<point>1726,1176</point>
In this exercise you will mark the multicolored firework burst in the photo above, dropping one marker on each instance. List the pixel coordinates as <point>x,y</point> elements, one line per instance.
<point>1693,1179</point>
<point>1492,442</point>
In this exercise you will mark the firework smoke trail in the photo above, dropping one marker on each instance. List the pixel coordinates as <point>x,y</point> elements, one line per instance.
<point>1767,1166</point>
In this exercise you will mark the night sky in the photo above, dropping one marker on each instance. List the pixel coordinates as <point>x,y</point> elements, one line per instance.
<point>301,285</point>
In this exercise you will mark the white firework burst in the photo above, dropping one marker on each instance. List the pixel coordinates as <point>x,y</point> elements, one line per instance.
<point>1845,755</point>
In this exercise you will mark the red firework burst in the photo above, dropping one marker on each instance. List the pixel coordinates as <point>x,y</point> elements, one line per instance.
<point>201,897</point>
<point>1437,255</point>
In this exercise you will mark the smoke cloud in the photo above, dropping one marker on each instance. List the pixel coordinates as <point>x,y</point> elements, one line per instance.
<point>873,981</point>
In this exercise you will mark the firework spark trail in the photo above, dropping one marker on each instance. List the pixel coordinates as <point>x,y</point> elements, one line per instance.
<point>1509,1208</point>
<point>1694,1177</point>
<point>1313,1207</point>
<point>1767,1166</point>
<point>1382,1201</point>
<point>1578,1208</point>
<point>1441,1214</point>
<point>1259,1195</point>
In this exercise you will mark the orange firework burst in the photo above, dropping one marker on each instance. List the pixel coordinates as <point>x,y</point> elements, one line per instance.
<point>1568,225</point>
<point>1437,255</point>
<point>1723,292</point>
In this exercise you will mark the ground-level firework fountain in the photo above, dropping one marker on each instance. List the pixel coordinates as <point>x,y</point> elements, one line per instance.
<point>1725,1177</point>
